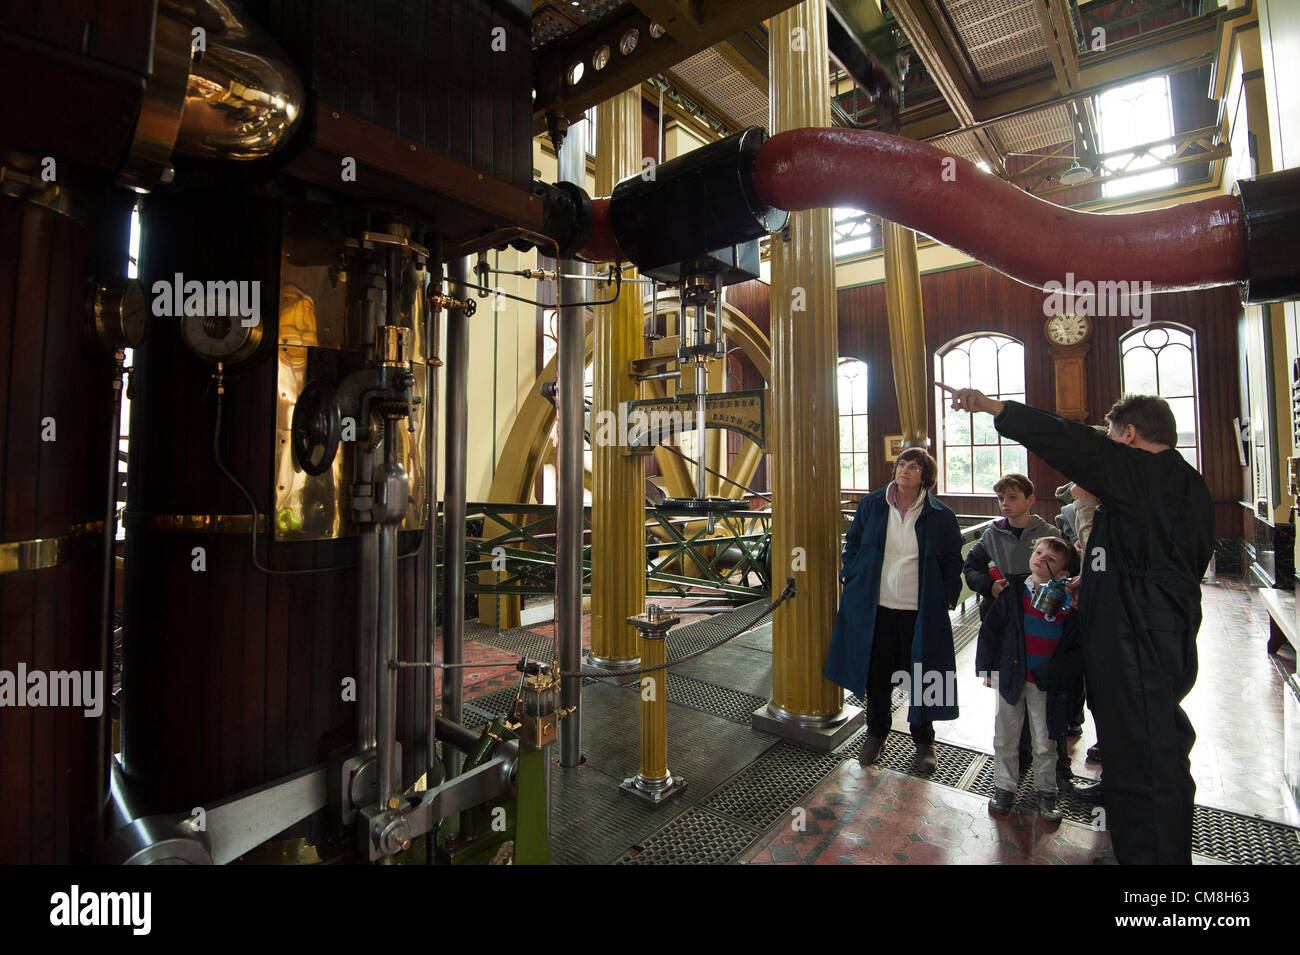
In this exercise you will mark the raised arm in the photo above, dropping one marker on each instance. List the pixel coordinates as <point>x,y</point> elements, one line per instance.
<point>1077,450</point>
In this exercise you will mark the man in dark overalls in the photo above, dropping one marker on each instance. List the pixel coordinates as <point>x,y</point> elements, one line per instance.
<point>1140,601</point>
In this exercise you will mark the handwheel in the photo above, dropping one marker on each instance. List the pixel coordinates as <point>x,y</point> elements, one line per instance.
<point>316,428</point>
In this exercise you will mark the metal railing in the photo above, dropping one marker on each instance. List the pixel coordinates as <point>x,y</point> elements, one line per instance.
<point>513,554</point>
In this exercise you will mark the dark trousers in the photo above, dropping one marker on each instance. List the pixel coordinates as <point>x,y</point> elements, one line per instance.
<point>1136,682</point>
<point>891,651</point>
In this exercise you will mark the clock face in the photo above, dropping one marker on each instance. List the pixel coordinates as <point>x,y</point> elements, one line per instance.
<point>1067,329</point>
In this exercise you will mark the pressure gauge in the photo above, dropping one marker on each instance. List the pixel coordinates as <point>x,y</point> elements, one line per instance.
<point>220,338</point>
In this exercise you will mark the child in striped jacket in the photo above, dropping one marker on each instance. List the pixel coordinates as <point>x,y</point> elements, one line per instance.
<point>1034,659</point>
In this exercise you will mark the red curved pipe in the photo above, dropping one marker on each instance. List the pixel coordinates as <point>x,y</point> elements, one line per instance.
<point>601,246</point>
<point>1194,245</point>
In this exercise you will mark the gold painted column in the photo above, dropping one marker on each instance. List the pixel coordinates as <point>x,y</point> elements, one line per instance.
<point>618,479</point>
<point>805,460</point>
<point>906,332</point>
<point>654,782</point>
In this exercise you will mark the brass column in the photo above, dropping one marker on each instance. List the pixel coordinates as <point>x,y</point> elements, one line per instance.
<point>906,333</point>
<point>654,782</point>
<point>618,479</point>
<point>805,459</point>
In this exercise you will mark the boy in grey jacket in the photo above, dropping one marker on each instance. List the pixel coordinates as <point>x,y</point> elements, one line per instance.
<point>1005,547</point>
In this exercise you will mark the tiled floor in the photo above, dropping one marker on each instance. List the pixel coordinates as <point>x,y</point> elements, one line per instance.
<point>880,816</point>
<point>1235,706</point>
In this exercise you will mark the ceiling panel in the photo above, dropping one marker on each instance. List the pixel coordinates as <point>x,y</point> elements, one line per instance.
<point>1002,37</point>
<point>960,144</point>
<point>728,91</point>
<point>1034,131</point>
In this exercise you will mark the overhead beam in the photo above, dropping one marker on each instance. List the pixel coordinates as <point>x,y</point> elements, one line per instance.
<point>673,110</point>
<point>689,26</point>
<point>1183,155</point>
<point>928,42</point>
<point>747,57</point>
<point>1182,46</point>
<point>1058,36</point>
<point>873,68</point>
<point>748,51</point>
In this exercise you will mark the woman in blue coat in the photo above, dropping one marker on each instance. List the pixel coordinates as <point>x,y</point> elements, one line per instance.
<point>901,575</point>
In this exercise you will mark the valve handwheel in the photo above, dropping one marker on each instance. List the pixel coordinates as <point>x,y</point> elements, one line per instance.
<point>316,428</point>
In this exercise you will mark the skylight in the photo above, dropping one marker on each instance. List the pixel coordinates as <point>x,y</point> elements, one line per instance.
<point>1130,116</point>
<point>855,233</point>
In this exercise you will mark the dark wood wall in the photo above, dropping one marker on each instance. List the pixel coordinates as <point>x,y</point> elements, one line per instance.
<point>971,299</point>
<point>427,70</point>
<point>53,482</point>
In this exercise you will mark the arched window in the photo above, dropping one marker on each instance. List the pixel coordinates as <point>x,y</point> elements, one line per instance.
<point>1161,360</point>
<point>852,388</point>
<point>972,455</point>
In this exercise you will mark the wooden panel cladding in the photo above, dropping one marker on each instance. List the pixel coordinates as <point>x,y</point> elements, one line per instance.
<point>452,75</point>
<point>54,439</point>
<point>971,299</point>
<point>114,32</point>
<point>232,678</point>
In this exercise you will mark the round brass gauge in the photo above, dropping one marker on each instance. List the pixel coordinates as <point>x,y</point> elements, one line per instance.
<point>220,338</point>
<point>120,315</point>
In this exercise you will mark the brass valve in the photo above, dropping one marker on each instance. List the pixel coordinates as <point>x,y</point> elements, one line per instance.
<point>394,346</point>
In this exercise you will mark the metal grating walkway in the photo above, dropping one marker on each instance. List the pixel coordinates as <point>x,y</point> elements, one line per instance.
<point>740,782</point>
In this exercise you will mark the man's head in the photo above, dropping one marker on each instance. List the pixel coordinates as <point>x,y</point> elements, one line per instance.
<point>915,469</point>
<point>1142,421</point>
<point>1052,557</point>
<point>1015,497</point>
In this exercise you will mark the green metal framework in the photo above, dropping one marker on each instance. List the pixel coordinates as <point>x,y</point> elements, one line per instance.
<point>731,561</point>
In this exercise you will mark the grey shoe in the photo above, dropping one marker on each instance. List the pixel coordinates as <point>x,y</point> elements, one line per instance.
<point>1047,807</point>
<point>871,747</point>
<point>1001,801</point>
<point>926,761</point>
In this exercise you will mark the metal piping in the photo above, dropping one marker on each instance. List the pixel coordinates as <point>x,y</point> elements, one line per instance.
<point>367,614</point>
<point>570,362</point>
<point>430,413</point>
<point>104,741</point>
<point>701,391</point>
<point>1192,245</point>
<point>453,580</point>
<point>386,676</point>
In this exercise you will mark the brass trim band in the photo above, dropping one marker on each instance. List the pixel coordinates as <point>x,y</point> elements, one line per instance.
<point>42,553</point>
<point>194,523</point>
<point>19,179</point>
